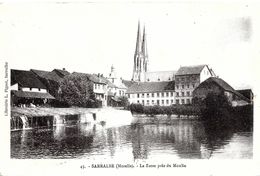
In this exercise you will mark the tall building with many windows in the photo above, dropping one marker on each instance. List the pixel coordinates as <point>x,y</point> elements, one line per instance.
<point>187,79</point>
<point>162,87</point>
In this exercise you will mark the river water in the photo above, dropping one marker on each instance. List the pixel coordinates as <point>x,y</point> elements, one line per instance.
<point>177,139</point>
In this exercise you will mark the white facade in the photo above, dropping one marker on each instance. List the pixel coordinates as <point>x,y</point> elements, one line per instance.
<point>205,74</point>
<point>100,91</point>
<point>28,89</point>
<point>164,98</point>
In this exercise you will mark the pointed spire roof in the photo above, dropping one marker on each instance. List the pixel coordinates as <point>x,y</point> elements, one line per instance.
<point>144,45</point>
<point>138,40</point>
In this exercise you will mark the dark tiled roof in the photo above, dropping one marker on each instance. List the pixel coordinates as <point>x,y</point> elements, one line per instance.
<point>224,85</point>
<point>128,83</point>
<point>92,77</point>
<point>61,73</point>
<point>26,79</point>
<point>151,87</point>
<point>23,94</point>
<point>47,75</point>
<point>110,84</point>
<point>246,92</point>
<point>190,70</point>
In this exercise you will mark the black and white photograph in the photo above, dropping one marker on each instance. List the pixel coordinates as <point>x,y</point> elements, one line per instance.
<point>164,87</point>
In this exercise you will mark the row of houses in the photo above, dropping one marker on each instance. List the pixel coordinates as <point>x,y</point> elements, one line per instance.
<point>37,87</point>
<point>148,88</point>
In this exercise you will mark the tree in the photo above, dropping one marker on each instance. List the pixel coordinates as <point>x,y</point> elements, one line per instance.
<point>123,101</point>
<point>77,90</point>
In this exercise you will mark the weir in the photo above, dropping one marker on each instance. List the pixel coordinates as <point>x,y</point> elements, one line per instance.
<point>107,117</point>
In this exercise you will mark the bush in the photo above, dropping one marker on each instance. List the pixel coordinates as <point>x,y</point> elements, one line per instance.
<point>136,108</point>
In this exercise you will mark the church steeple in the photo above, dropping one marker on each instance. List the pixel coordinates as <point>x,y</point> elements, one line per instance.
<point>144,51</point>
<point>140,56</point>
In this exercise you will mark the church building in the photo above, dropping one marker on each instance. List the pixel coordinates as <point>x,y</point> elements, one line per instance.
<point>162,88</point>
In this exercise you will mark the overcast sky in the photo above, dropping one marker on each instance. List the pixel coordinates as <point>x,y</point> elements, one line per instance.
<point>90,37</point>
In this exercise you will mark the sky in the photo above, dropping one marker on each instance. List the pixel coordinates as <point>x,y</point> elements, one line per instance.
<point>90,37</point>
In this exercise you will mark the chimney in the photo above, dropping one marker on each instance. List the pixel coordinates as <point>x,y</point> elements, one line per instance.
<point>63,69</point>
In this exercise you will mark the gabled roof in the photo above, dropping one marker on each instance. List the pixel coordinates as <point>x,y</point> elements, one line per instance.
<point>61,73</point>
<point>47,75</point>
<point>151,87</point>
<point>26,79</point>
<point>190,70</point>
<point>92,77</point>
<point>128,83</point>
<point>224,85</point>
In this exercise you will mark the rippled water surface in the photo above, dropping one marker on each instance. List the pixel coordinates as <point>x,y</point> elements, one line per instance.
<point>178,139</point>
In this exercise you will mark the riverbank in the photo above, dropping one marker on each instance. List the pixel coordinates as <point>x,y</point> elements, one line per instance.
<point>24,118</point>
<point>39,111</point>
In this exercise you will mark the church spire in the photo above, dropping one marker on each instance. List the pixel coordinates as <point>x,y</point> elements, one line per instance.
<point>138,41</point>
<point>140,56</point>
<point>144,50</point>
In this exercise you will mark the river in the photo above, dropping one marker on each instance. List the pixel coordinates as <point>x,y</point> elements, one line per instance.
<point>176,139</point>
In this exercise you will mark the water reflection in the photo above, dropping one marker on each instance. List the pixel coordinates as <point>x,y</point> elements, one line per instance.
<point>179,139</point>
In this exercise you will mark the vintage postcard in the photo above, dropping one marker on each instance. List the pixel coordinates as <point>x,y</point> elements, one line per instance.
<point>129,87</point>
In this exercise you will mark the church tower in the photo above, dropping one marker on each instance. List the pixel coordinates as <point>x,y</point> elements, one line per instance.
<point>140,56</point>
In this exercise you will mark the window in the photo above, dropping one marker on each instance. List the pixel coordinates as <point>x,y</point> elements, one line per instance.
<point>162,94</point>
<point>143,102</point>
<point>171,101</point>
<point>138,101</point>
<point>182,101</point>
<point>182,86</point>
<point>167,101</point>
<point>152,94</point>
<point>95,85</point>
<point>158,94</point>
<point>39,89</point>
<point>177,101</point>
<point>128,95</point>
<point>158,102</point>
<point>193,85</point>
<point>138,95</point>
<point>177,94</point>
<point>147,95</point>
<point>171,94</point>
<point>188,101</point>
<point>167,94</point>
<point>188,86</point>
<point>182,79</point>
<point>152,102</point>
<point>188,93</point>
<point>182,94</point>
<point>177,86</point>
<point>162,102</point>
<point>147,102</point>
<point>30,88</point>
<point>142,95</point>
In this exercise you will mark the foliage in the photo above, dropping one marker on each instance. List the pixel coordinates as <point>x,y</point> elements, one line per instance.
<point>123,101</point>
<point>77,91</point>
<point>136,108</point>
<point>168,110</point>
